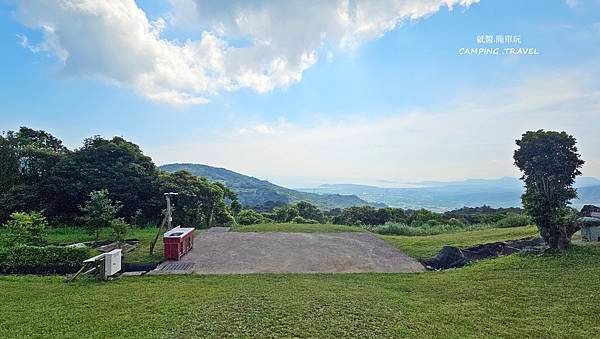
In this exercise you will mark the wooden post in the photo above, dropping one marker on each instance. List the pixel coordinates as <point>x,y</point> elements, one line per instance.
<point>169,217</point>
<point>166,220</point>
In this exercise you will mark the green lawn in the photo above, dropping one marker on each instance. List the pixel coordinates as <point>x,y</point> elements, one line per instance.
<point>427,246</point>
<point>513,296</point>
<point>551,296</point>
<point>301,228</point>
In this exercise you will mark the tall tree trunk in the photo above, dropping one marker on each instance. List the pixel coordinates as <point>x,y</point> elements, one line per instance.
<point>564,238</point>
<point>546,234</point>
<point>556,237</point>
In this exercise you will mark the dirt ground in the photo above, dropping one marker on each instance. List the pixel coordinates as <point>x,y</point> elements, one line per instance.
<point>239,253</point>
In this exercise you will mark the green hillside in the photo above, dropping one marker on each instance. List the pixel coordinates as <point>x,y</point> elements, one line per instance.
<point>253,192</point>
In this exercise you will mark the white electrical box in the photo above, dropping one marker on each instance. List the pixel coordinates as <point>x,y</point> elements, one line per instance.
<point>112,262</point>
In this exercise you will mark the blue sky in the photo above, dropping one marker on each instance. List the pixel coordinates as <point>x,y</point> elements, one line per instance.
<point>300,96</point>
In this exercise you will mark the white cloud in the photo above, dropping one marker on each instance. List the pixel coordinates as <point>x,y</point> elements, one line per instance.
<point>115,40</point>
<point>472,137</point>
<point>261,129</point>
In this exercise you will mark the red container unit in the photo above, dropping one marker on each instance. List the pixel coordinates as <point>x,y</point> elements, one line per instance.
<point>178,242</point>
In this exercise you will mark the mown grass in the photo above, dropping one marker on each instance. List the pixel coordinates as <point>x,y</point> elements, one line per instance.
<point>514,296</point>
<point>298,228</point>
<point>427,246</point>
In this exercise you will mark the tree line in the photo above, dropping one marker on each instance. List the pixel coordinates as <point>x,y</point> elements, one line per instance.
<point>305,212</point>
<point>38,173</point>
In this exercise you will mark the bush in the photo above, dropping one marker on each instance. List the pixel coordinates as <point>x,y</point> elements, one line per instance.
<point>426,229</point>
<point>26,228</point>
<point>119,229</point>
<point>455,222</point>
<point>367,215</point>
<point>249,217</point>
<point>514,220</point>
<point>41,260</point>
<point>300,220</point>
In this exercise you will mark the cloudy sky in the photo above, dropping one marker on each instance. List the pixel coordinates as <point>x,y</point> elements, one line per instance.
<point>308,92</point>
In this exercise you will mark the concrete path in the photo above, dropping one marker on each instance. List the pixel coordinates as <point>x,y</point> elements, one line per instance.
<point>245,252</point>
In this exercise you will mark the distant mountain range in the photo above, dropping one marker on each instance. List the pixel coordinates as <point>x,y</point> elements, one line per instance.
<point>443,196</point>
<point>256,193</point>
<point>432,195</point>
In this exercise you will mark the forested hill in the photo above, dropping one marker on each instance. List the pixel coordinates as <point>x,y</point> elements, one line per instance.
<point>256,193</point>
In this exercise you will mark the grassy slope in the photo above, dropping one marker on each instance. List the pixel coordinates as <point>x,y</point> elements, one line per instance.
<point>514,296</point>
<point>301,228</point>
<point>427,246</point>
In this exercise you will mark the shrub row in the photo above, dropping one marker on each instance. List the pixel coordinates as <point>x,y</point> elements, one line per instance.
<point>453,225</point>
<point>41,260</point>
<point>391,228</point>
<point>514,220</point>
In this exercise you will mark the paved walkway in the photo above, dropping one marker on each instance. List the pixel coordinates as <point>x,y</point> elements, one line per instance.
<point>245,252</point>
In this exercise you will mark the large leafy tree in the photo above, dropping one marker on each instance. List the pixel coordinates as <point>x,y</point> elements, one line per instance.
<point>116,165</point>
<point>549,162</point>
<point>27,159</point>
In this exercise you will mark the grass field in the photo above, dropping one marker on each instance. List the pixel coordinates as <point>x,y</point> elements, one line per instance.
<point>514,296</point>
<point>551,296</point>
<point>427,246</point>
<point>303,228</point>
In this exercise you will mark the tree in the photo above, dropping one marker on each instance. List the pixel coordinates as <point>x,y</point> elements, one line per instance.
<point>365,215</point>
<point>222,215</point>
<point>420,217</point>
<point>99,211</point>
<point>116,165</point>
<point>119,229</point>
<point>549,162</point>
<point>236,207</point>
<point>309,211</point>
<point>27,159</point>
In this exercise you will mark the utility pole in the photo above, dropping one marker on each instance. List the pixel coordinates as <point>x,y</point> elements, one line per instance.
<point>167,220</point>
<point>169,216</point>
